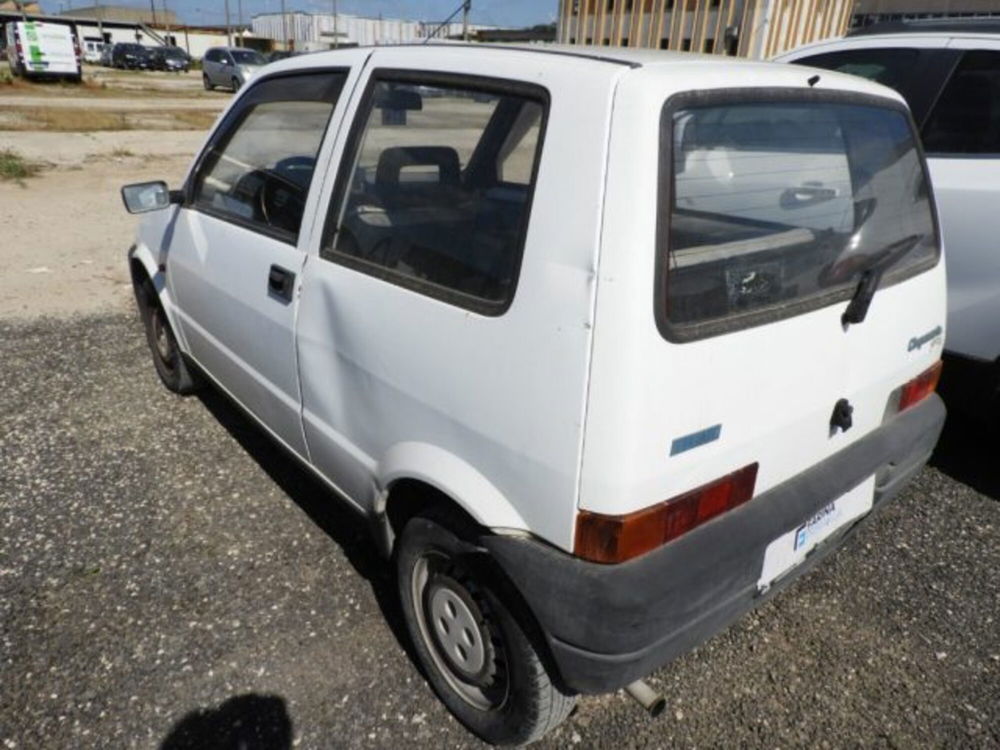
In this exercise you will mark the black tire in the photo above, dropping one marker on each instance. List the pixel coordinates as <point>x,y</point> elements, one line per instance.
<point>206,83</point>
<point>498,686</point>
<point>235,84</point>
<point>177,375</point>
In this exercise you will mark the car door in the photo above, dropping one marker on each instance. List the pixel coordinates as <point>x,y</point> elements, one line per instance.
<point>962,138</point>
<point>405,308</point>
<point>211,64</point>
<point>234,258</point>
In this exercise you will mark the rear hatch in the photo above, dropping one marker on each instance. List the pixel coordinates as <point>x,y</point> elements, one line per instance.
<point>797,287</point>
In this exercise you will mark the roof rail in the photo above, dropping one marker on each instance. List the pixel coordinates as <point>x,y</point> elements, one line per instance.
<point>982,25</point>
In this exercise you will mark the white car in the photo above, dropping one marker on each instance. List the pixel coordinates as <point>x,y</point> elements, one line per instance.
<point>607,345</point>
<point>949,73</point>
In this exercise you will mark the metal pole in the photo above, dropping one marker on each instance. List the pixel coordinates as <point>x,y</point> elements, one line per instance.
<point>239,19</point>
<point>465,20</point>
<point>166,21</point>
<point>284,26</point>
<point>336,38</point>
<point>229,30</point>
<point>100,20</point>
<point>152,7</point>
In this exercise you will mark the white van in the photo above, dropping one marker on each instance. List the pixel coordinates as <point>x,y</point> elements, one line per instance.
<point>608,345</point>
<point>42,50</point>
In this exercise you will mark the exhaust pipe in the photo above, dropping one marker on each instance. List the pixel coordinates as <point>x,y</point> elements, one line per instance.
<point>645,696</point>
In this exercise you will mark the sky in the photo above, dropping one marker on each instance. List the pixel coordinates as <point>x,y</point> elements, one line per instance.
<point>490,12</point>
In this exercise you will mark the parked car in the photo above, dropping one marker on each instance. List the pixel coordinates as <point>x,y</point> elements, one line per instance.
<point>92,50</point>
<point>42,50</point>
<point>230,67</point>
<point>599,382</point>
<point>106,59</point>
<point>171,59</point>
<point>280,54</point>
<point>129,56</point>
<point>949,73</point>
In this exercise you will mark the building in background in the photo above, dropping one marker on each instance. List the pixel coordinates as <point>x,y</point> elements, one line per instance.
<point>316,31</point>
<point>867,12</point>
<point>124,14</point>
<point>750,28</point>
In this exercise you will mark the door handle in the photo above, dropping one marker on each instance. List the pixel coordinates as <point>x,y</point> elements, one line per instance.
<point>280,283</point>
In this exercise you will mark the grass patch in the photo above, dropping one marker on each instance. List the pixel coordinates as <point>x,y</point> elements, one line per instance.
<point>14,167</point>
<point>121,153</point>
<point>77,120</point>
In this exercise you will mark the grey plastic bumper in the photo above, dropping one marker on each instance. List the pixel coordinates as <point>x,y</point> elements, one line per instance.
<point>607,625</point>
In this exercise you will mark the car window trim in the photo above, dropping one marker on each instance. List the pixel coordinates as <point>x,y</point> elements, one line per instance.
<point>223,129</point>
<point>338,198</point>
<point>685,333</point>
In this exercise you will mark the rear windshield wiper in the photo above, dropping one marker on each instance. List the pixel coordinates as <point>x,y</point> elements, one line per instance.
<point>871,277</point>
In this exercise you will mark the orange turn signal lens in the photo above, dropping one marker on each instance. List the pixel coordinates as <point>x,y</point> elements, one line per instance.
<point>614,539</point>
<point>920,387</point>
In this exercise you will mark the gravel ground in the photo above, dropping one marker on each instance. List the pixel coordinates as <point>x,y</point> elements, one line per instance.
<point>168,579</point>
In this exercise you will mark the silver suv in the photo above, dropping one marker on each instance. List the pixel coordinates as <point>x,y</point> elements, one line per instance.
<point>230,67</point>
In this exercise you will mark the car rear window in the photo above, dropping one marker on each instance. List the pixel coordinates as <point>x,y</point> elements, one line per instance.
<point>770,208</point>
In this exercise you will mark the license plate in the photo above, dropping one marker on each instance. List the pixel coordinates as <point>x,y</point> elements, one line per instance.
<point>791,548</point>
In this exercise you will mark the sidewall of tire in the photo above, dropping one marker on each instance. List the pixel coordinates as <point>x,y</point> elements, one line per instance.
<point>180,379</point>
<point>513,723</point>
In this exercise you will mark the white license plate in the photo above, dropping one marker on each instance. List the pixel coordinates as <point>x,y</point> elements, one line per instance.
<point>792,547</point>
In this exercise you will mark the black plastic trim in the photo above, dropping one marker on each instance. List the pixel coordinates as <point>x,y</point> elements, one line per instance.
<point>608,625</point>
<point>697,331</point>
<point>486,85</point>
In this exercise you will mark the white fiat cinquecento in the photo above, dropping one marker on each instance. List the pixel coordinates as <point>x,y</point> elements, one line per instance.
<point>608,345</point>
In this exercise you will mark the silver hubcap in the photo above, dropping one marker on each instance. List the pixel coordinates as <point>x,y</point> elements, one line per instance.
<point>457,632</point>
<point>465,650</point>
<point>161,337</point>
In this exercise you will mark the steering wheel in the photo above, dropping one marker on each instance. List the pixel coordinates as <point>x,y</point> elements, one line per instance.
<point>281,201</point>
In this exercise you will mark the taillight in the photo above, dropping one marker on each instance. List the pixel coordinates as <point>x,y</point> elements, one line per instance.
<point>920,387</point>
<point>614,539</point>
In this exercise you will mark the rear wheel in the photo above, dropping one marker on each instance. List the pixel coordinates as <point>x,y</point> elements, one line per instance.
<point>235,84</point>
<point>168,361</point>
<point>206,83</point>
<point>479,657</point>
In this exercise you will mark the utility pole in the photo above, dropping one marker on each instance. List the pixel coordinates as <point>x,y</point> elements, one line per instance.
<point>284,26</point>
<point>465,20</point>
<point>166,21</point>
<point>229,29</point>
<point>336,39</point>
<point>100,20</point>
<point>239,19</point>
<point>152,8</point>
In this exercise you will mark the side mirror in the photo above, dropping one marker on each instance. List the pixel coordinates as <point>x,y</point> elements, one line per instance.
<point>142,197</point>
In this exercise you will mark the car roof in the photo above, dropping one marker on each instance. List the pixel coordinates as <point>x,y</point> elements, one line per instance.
<point>937,26</point>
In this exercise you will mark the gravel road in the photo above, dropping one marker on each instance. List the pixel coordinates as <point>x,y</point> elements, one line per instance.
<point>169,579</point>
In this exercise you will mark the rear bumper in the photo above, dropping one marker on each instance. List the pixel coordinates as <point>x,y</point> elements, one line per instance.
<point>607,625</point>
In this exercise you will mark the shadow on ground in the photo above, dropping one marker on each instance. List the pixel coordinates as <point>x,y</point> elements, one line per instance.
<point>969,452</point>
<point>329,512</point>
<point>246,722</point>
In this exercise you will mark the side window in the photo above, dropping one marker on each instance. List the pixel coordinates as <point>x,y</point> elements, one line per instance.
<point>258,167</point>
<point>210,55</point>
<point>966,118</point>
<point>436,193</point>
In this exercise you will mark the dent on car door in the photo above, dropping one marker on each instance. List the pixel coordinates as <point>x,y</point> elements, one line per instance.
<point>234,258</point>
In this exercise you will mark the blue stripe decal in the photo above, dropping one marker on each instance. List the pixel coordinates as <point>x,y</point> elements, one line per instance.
<point>695,439</point>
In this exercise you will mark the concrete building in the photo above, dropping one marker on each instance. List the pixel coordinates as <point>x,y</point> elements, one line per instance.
<point>315,31</point>
<point>750,28</point>
<point>126,14</point>
<point>867,12</point>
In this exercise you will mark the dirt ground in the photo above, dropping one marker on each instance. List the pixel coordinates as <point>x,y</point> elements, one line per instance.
<point>65,231</point>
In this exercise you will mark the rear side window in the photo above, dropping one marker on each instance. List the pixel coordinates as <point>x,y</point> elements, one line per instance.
<point>436,194</point>
<point>259,165</point>
<point>966,118</point>
<point>771,208</point>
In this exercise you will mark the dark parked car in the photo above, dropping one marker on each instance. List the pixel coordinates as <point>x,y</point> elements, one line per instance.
<point>172,59</point>
<point>129,56</point>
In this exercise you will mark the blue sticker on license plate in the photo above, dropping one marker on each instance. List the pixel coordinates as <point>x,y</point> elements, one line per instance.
<point>818,522</point>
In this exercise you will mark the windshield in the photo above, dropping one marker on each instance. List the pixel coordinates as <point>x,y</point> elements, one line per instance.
<point>779,206</point>
<point>174,54</point>
<point>247,57</point>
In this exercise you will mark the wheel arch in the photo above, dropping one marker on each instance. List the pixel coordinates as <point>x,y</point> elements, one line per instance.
<point>416,476</point>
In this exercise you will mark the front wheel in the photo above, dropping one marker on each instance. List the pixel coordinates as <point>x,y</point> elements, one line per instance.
<point>479,658</point>
<point>235,84</point>
<point>170,365</point>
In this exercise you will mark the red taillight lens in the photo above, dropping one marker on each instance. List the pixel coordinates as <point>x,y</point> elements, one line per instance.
<point>615,539</point>
<point>920,387</point>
